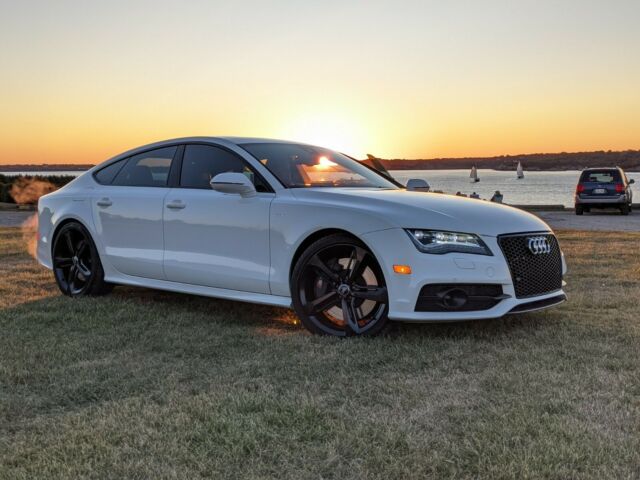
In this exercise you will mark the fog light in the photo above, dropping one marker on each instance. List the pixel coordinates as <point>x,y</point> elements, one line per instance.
<point>454,298</point>
<point>402,269</point>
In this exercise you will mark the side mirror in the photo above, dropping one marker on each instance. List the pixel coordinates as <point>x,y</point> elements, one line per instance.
<point>631,181</point>
<point>418,184</point>
<point>230,182</point>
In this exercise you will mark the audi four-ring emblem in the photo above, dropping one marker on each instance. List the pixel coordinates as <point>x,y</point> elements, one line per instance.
<point>539,245</point>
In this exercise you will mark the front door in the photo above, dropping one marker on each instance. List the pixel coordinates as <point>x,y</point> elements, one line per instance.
<point>216,239</point>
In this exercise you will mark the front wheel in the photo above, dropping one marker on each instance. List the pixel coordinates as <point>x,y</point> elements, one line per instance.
<point>76,264</point>
<point>338,288</point>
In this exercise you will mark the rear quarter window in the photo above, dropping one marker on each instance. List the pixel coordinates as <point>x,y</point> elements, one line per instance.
<point>106,175</point>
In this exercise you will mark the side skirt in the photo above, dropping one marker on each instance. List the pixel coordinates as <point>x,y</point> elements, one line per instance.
<point>214,292</point>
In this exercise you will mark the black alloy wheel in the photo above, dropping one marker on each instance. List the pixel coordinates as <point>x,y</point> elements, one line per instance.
<point>76,264</point>
<point>338,288</point>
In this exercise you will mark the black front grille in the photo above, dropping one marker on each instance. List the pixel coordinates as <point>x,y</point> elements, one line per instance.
<point>532,274</point>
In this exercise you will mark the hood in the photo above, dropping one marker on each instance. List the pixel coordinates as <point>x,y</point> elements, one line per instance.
<point>436,211</point>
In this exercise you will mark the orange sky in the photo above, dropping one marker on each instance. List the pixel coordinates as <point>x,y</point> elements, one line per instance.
<point>82,81</point>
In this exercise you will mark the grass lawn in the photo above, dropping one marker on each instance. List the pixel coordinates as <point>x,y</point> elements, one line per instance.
<point>145,384</point>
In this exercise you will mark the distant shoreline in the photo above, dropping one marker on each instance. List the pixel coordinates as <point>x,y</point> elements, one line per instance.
<point>532,162</point>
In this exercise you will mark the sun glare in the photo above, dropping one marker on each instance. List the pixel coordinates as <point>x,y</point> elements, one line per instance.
<point>324,162</point>
<point>334,131</point>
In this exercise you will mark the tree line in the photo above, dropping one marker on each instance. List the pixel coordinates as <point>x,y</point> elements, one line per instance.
<point>628,160</point>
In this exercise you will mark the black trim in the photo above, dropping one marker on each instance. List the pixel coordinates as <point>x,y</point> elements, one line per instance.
<point>538,304</point>
<point>173,181</point>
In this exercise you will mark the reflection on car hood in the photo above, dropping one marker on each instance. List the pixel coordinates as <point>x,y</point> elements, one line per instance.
<point>408,209</point>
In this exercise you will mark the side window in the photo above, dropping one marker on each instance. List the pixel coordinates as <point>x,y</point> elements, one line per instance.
<point>203,162</point>
<point>106,175</point>
<point>148,169</point>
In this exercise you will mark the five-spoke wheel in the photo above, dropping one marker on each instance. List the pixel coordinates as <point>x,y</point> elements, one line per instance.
<point>338,288</point>
<point>76,264</point>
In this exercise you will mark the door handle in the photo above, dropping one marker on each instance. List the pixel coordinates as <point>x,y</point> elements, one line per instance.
<point>177,205</point>
<point>104,202</point>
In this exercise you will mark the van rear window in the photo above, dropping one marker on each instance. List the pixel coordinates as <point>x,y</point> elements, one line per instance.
<point>600,176</point>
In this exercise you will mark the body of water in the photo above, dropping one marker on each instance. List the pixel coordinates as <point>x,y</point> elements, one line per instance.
<point>536,188</point>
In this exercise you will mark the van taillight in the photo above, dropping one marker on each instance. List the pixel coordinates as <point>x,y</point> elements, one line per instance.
<point>619,188</point>
<point>580,188</point>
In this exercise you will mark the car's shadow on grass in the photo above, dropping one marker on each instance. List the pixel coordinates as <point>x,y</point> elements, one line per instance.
<point>126,305</point>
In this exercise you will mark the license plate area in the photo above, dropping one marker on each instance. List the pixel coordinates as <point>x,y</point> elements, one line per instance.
<point>599,191</point>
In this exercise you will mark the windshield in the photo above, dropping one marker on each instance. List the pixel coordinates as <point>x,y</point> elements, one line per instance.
<point>303,166</point>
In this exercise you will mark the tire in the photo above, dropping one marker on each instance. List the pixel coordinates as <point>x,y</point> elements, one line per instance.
<point>76,263</point>
<point>338,288</point>
<point>625,209</point>
<point>579,209</point>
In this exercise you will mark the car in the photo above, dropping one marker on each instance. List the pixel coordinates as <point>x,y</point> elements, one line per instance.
<point>603,188</point>
<point>298,226</point>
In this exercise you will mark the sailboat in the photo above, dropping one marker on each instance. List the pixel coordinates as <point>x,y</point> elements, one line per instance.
<point>519,171</point>
<point>474,174</point>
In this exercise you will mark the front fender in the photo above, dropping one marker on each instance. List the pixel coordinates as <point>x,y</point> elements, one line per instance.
<point>293,222</point>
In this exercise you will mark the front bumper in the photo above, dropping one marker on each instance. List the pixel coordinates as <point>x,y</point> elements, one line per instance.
<point>393,247</point>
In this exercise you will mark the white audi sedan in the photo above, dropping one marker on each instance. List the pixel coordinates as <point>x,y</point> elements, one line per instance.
<point>294,225</point>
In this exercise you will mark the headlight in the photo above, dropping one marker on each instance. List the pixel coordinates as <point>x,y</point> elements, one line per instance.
<point>438,242</point>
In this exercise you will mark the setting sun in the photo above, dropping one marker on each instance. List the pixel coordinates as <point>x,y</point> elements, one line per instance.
<point>337,131</point>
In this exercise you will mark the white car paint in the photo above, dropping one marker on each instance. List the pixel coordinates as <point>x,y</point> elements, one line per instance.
<point>235,247</point>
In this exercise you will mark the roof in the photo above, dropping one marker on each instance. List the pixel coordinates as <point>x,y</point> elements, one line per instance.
<point>245,140</point>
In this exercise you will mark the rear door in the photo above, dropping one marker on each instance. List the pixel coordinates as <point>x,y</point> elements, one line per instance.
<point>216,239</point>
<point>127,211</point>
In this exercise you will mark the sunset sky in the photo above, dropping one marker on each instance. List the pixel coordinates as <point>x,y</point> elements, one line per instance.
<point>84,80</point>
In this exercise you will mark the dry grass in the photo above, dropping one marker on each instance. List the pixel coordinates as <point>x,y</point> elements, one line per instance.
<point>144,384</point>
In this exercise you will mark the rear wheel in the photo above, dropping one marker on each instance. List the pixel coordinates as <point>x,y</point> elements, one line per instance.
<point>338,288</point>
<point>76,264</point>
<point>579,209</point>
<point>625,209</point>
